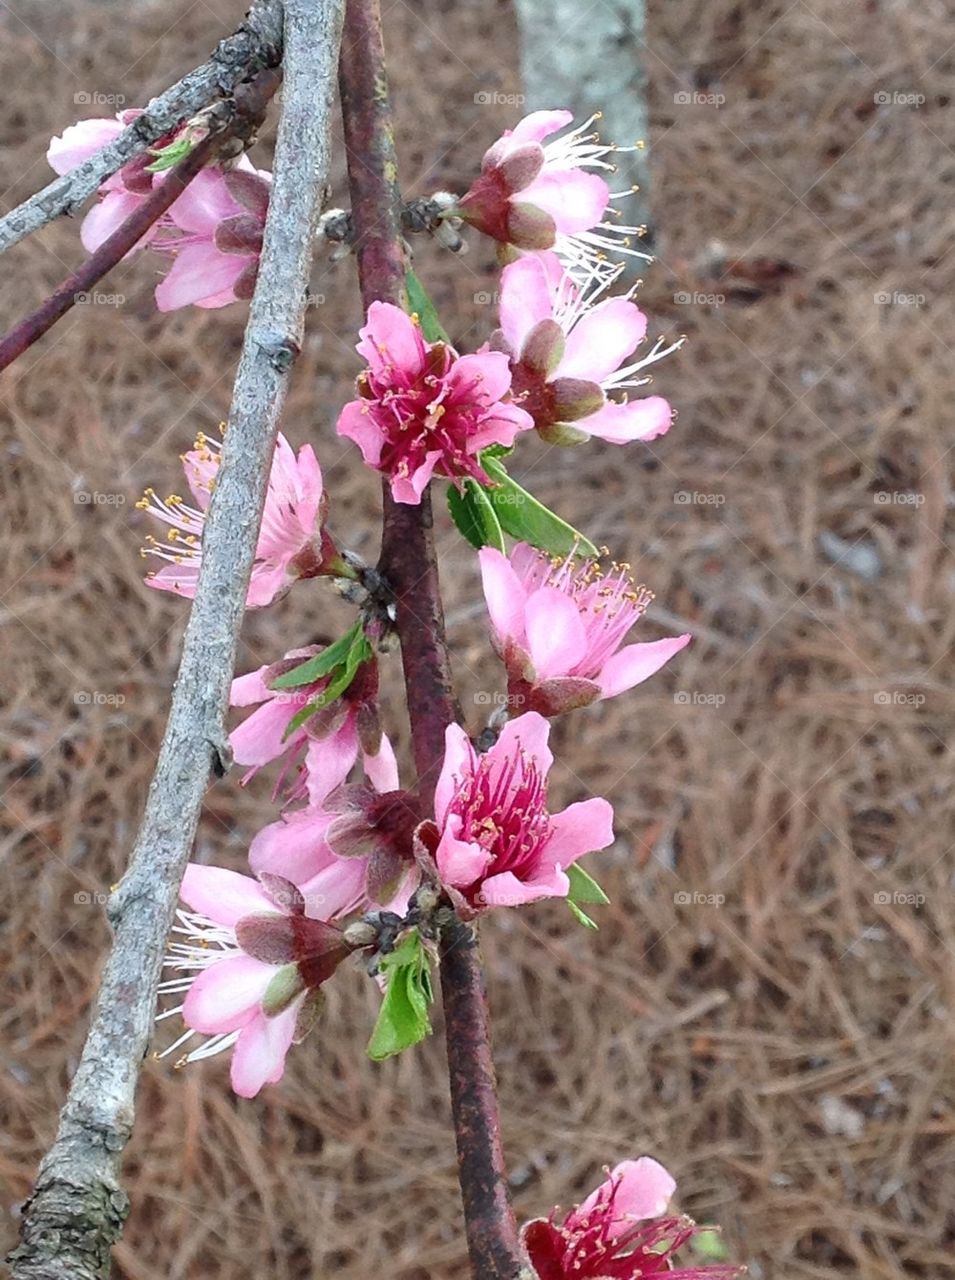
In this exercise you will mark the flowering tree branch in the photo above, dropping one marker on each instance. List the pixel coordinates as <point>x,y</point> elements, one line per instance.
<point>78,1205</point>
<point>409,563</point>
<point>244,111</point>
<point>257,44</point>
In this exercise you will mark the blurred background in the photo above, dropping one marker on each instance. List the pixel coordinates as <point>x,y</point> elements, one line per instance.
<point>767,1005</point>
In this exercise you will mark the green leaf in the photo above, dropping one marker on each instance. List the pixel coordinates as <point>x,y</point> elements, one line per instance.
<point>581,916</point>
<point>708,1244</point>
<point>403,1017</point>
<point>474,514</point>
<point>321,664</point>
<point>522,516</point>
<point>341,677</point>
<point>170,155</point>
<point>421,305</point>
<point>584,888</point>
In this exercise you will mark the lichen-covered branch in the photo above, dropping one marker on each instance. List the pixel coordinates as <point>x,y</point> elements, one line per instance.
<point>256,45</point>
<point>78,1205</point>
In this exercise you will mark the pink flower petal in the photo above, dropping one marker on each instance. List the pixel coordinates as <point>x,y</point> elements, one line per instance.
<point>204,204</point>
<point>104,218</point>
<point>500,427</point>
<point>539,125</point>
<point>556,635</point>
<point>526,298</point>
<point>458,763</point>
<point>226,995</point>
<point>381,769</point>
<point>636,663</point>
<point>250,688</point>
<point>408,489</point>
<point>180,579</point>
<point>644,419</point>
<point>391,340</point>
<point>576,200</point>
<point>267,581</point>
<point>460,862</point>
<point>259,1054</point>
<point>527,733</point>
<point>336,890</point>
<point>505,890</point>
<point>581,828</point>
<point>643,1190</point>
<point>199,271</point>
<point>224,896</point>
<point>293,847</point>
<point>260,737</point>
<point>602,339</point>
<point>80,141</point>
<point>329,760</point>
<point>357,422</point>
<point>504,595</point>
<point>480,379</point>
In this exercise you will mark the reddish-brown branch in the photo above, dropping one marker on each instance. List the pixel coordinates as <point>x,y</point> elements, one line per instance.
<point>115,247</point>
<point>409,562</point>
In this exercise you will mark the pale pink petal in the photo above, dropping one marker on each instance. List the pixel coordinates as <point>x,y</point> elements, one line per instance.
<point>226,995</point>
<point>250,688</point>
<point>259,1054</point>
<point>460,862</point>
<point>293,847</point>
<point>575,200</point>
<point>500,427</point>
<point>556,635</point>
<point>329,760</point>
<point>204,204</point>
<point>644,419</point>
<point>480,378</point>
<point>181,579</point>
<point>104,218</point>
<point>527,733</point>
<point>310,489</point>
<point>643,1190</point>
<point>581,828</point>
<point>526,298</point>
<point>408,489</point>
<point>504,595</point>
<point>224,896</point>
<point>336,890</point>
<point>458,763</point>
<point>266,582</point>
<point>602,339</point>
<point>80,141</point>
<point>505,890</point>
<point>199,271</point>
<point>260,737</point>
<point>357,422</point>
<point>391,339</point>
<point>381,769</point>
<point>539,125</point>
<point>636,663</point>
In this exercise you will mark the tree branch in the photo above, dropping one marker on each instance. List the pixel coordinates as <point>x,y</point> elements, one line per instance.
<point>247,109</point>
<point>256,45</point>
<point>78,1205</point>
<point>409,563</point>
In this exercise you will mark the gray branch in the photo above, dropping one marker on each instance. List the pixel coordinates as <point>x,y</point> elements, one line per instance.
<point>78,1206</point>
<point>257,44</point>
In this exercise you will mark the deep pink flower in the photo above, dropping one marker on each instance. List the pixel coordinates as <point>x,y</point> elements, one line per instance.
<point>255,956</point>
<point>534,194</point>
<point>559,626</point>
<point>292,541</point>
<point>320,753</point>
<point>569,349</point>
<point>499,845</point>
<point>217,226</point>
<point>618,1233</point>
<point>423,409</point>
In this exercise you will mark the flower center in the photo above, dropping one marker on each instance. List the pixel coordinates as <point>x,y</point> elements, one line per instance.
<point>503,808</point>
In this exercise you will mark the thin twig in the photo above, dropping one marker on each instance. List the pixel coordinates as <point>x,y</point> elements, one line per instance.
<point>256,45</point>
<point>409,562</point>
<point>245,110</point>
<point>78,1206</point>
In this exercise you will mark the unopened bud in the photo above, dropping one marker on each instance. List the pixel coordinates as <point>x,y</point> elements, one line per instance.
<point>361,933</point>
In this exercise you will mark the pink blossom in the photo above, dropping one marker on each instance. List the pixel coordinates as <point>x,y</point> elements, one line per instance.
<point>498,844</point>
<point>534,194</point>
<point>292,541</point>
<point>216,237</point>
<point>319,753</point>
<point>255,955</point>
<point>559,626</point>
<point>569,349</point>
<point>423,409</point>
<point>618,1233</point>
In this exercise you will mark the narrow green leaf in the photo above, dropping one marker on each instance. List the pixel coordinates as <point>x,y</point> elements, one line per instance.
<point>421,305</point>
<point>581,916</point>
<point>522,516</point>
<point>403,1017</point>
<point>321,664</point>
<point>170,155</point>
<point>474,514</point>
<point>584,888</point>
<point>341,677</point>
<point>709,1244</point>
